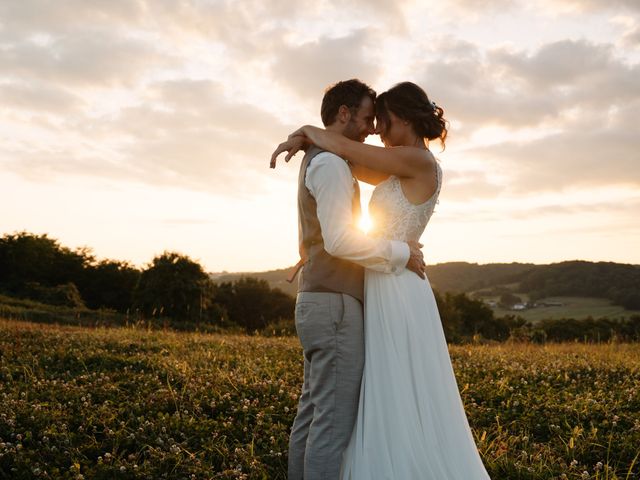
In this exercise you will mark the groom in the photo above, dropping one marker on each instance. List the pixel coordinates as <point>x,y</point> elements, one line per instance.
<point>329,305</point>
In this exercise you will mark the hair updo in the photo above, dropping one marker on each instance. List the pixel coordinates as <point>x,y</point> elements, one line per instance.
<point>410,102</point>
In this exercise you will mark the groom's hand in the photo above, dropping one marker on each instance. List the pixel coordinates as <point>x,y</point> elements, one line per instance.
<point>416,259</point>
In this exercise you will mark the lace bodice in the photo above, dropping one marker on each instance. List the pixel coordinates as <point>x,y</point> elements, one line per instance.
<point>394,217</point>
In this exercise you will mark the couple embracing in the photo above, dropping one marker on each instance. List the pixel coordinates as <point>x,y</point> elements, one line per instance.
<point>379,398</point>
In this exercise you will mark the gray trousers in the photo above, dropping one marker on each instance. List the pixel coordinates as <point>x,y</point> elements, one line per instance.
<point>330,328</point>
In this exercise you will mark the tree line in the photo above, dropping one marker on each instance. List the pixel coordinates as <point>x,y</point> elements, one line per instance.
<point>468,320</point>
<point>172,286</point>
<point>175,287</point>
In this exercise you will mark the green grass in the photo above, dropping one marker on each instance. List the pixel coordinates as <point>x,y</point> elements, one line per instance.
<point>573,307</point>
<point>135,404</point>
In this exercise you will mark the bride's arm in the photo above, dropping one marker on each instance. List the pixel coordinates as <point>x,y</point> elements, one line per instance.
<point>295,143</point>
<point>366,175</point>
<point>399,161</point>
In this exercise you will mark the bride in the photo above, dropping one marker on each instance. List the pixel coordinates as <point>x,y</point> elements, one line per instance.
<point>411,422</point>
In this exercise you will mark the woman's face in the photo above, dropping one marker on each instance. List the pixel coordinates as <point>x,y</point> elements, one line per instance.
<point>393,132</point>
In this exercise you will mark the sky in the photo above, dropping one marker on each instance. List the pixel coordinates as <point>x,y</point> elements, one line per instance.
<point>135,127</point>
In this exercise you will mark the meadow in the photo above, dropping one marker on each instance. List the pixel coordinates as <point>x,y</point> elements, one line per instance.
<point>125,403</point>
<point>571,307</point>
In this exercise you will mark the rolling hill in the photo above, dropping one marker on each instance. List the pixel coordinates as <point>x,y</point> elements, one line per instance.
<point>596,288</point>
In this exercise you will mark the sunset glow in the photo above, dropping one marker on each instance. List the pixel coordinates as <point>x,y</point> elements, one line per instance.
<point>138,127</point>
<point>365,224</point>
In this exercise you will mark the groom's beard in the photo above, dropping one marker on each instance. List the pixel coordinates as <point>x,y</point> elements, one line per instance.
<point>352,132</point>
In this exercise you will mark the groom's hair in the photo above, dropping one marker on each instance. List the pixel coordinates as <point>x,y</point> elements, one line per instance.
<point>348,93</point>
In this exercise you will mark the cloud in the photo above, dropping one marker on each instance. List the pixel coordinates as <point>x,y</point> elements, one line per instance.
<point>517,89</point>
<point>463,186</point>
<point>593,156</point>
<point>30,17</point>
<point>632,37</point>
<point>186,133</point>
<point>618,213</point>
<point>568,112</point>
<point>552,6</point>
<point>597,5</point>
<point>183,110</point>
<point>85,58</point>
<point>475,92</point>
<point>481,7</point>
<point>45,164</point>
<point>39,96</point>
<point>309,68</point>
<point>573,71</point>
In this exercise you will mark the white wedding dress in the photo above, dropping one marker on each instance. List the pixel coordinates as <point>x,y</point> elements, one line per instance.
<point>411,422</point>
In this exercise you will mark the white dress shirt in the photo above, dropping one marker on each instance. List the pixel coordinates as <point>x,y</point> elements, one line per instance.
<point>330,181</point>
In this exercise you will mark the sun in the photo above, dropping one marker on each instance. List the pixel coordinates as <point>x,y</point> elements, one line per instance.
<point>365,224</point>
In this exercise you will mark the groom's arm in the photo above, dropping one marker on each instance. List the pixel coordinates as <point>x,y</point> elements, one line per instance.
<point>330,181</point>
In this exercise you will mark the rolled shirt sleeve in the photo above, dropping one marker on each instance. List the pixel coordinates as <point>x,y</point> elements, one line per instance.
<point>330,182</point>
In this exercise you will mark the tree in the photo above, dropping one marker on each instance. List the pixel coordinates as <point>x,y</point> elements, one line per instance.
<point>66,295</point>
<point>37,259</point>
<point>175,286</point>
<point>463,318</point>
<point>110,284</point>
<point>252,304</point>
<point>283,305</point>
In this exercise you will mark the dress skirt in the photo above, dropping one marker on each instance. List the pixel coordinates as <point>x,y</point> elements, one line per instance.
<point>411,422</point>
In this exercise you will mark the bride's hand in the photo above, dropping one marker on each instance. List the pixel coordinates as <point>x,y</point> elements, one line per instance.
<point>293,145</point>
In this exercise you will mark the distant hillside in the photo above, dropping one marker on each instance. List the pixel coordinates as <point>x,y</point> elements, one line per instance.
<point>455,277</point>
<point>618,283</point>
<point>466,277</point>
<point>276,278</point>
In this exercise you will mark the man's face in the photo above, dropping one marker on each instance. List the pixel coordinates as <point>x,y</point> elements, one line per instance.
<point>361,123</point>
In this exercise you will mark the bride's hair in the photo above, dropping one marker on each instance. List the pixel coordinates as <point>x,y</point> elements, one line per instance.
<point>410,102</point>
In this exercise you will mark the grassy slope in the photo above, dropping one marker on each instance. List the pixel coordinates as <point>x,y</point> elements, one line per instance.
<point>573,307</point>
<point>124,403</point>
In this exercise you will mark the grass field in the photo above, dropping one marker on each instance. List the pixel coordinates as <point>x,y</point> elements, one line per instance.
<point>572,307</point>
<point>130,404</point>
